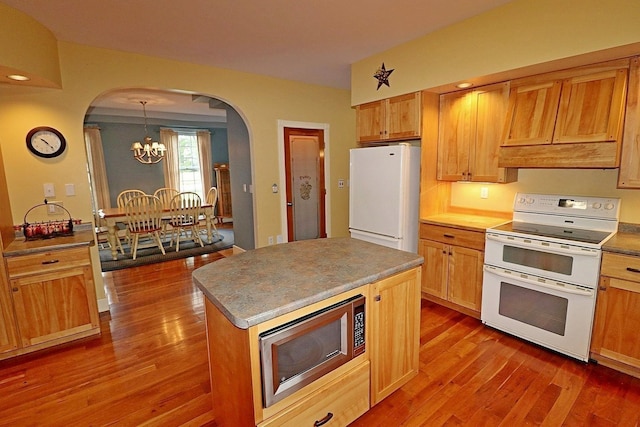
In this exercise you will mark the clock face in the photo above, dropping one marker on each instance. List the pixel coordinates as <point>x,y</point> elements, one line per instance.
<point>46,142</point>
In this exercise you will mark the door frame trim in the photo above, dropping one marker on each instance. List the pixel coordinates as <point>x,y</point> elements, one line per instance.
<point>282,178</point>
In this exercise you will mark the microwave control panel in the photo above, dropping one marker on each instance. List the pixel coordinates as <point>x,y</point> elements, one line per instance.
<point>358,329</point>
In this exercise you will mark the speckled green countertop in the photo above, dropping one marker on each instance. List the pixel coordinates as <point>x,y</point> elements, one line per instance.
<point>625,241</point>
<point>259,285</point>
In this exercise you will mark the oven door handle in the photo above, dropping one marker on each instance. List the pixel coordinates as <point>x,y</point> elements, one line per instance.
<point>536,283</point>
<point>588,253</point>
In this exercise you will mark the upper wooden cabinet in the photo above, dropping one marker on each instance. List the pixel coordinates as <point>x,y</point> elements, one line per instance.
<point>391,119</point>
<point>629,173</point>
<point>470,132</point>
<point>571,118</point>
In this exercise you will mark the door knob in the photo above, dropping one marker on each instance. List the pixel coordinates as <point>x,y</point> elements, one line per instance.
<point>289,203</point>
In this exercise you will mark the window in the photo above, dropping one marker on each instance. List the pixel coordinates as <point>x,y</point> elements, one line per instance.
<point>189,163</point>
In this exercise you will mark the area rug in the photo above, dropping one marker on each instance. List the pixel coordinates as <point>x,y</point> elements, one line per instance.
<point>153,255</point>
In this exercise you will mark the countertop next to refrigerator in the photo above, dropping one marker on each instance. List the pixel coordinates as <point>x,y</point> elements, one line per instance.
<point>465,221</point>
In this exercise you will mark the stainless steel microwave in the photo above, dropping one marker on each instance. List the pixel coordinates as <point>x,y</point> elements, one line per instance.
<point>299,352</point>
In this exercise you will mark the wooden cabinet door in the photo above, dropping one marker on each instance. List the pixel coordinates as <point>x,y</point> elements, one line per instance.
<point>370,121</point>
<point>8,339</point>
<point>434,269</point>
<point>395,332</point>
<point>54,305</point>
<point>491,108</point>
<point>617,321</point>
<point>403,116</point>
<point>591,107</point>
<point>629,172</point>
<point>531,114</point>
<point>456,130</point>
<point>465,277</point>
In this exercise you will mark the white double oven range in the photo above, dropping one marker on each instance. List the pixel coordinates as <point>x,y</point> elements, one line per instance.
<point>541,270</point>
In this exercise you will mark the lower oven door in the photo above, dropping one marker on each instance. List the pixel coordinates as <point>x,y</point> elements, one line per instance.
<point>549,313</point>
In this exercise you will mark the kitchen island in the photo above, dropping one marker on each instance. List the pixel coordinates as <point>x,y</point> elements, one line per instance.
<point>255,291</point>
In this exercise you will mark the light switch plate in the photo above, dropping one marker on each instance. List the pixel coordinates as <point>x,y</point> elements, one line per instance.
<point>70,189</point>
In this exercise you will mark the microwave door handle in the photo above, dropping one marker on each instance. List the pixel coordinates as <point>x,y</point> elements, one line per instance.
<point>546,249</point>
<point>535,282</point>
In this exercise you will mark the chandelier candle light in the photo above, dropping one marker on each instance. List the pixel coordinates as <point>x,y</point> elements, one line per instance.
<point>151,151</point>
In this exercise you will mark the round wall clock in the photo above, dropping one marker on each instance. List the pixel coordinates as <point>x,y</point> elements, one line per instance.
<point>45,141</point>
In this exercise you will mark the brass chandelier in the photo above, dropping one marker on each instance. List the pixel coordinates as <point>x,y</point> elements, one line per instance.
<point>150,151</point>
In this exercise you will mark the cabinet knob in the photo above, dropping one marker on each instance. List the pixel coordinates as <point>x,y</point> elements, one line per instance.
<point>377,298</point>
<point>14,289</point>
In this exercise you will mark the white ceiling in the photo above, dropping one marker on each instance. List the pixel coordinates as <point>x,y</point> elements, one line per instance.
<point>313,41</point>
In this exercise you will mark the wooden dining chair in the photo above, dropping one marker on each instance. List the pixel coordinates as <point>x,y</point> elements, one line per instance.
<point>210,199</point>
<point>165,194</point>
<point>127,195</point>
<point>121,202</point>
<point>144,217</point>
<point>184,212</point>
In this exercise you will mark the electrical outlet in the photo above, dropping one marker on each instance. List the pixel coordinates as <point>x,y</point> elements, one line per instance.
<point>271,240</point>
<point>279,238</point>
<point>484,192</point>
<point>52,209</point>
<point>341,183</point>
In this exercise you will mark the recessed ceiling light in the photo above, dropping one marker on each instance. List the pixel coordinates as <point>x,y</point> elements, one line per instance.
<point>464,85</point>
<point>18,77</point>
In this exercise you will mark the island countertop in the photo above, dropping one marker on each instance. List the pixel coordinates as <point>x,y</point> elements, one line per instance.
<point>261,284</point>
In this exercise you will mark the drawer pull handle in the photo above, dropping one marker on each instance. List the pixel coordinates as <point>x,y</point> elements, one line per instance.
<point>633,270</point>
<point>323,421</point>
<point>450,236</point>
<point>51,261</point>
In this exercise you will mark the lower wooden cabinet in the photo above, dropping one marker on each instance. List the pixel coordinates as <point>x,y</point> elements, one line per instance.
<point>395,332</point>
<point>53,297</point>
<point>452,269</point>
<point>338,403</point>
<point>615,340</point>
<point>8,337</point>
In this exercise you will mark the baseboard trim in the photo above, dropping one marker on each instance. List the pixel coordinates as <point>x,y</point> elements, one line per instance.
<point>103,305</point>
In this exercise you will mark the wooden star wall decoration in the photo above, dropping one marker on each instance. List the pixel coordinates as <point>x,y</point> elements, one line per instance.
<point>382,74</point>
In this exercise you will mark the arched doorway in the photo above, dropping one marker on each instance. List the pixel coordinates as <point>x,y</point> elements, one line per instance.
<point>120,117</point>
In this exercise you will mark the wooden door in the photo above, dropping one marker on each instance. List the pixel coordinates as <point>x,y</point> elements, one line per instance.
<point>404,116</point>
<point>305,191</point>
<point>591,107</point>
<point>370,121</point>
<point>531,114</point>
<point>434,269</point>
<point>54,305</point>
<point>396,339</point>
<point>465,277</point>
<point>457,114</point>
<point>617,321</point>
<point>491,109</point>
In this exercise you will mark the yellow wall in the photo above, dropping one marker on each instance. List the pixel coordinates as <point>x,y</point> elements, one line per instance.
<point>519,34</point>
<point>512,39</point>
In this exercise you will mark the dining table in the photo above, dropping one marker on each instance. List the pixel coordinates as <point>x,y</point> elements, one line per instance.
<point>113,216</point>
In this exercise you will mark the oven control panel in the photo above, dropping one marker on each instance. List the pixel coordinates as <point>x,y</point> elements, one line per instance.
<point>578,206</point>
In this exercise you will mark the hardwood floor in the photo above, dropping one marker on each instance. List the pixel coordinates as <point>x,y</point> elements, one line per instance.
<point>150,368</point>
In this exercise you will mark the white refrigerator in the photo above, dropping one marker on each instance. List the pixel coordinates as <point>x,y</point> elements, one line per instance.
<point>384,192</point>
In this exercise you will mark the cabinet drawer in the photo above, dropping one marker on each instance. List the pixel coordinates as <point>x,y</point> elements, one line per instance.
<point>46,262</point>
<point>453,236</point>
<point>625,267</point>
<point>346,399</point>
